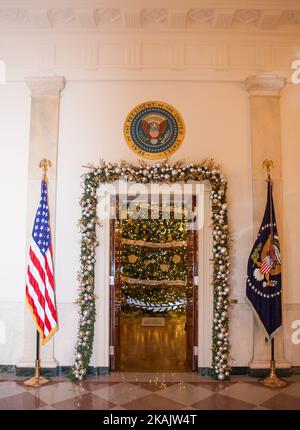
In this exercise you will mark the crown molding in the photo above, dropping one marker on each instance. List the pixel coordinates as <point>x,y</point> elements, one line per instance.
<point>113,15</point>
<point>119,39</point>
<point>155,3</point>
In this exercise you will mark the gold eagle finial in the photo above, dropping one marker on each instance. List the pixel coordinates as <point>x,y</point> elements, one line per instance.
<point>268,165</point>
<point>45,165</point>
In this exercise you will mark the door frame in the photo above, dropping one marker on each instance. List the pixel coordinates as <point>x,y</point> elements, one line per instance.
<point>103,280</point>
<point>191,311</point>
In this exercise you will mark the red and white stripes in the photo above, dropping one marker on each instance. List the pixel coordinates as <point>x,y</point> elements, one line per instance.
<point>40,295</point>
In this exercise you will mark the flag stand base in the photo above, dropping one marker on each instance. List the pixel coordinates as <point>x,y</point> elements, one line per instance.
<point>272,380</point>
<point>37,380</point>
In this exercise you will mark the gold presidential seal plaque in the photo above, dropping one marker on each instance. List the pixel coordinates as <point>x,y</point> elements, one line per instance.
<point>154,129</point>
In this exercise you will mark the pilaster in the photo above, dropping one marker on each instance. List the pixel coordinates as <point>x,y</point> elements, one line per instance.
<point>264,95</point>
<point>44,122</point>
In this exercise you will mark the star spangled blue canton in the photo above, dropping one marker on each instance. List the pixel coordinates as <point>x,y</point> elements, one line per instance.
<point>40,278</point>
<point>41,228</point>
<point>263,288</point>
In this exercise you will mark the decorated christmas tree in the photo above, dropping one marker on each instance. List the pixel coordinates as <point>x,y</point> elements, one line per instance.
<point>153,262</point>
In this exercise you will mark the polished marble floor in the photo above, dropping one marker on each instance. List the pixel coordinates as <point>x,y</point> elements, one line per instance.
<point>149,391</point>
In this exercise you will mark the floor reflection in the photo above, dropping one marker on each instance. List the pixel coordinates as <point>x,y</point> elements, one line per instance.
<point>152,348</point>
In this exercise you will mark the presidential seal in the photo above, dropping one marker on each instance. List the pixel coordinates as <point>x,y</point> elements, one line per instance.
<point>267,261</point>
<point>154,129</point>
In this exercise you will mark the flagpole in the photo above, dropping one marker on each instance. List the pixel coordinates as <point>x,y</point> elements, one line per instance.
<point>272,379</point>
<point>38,380</point>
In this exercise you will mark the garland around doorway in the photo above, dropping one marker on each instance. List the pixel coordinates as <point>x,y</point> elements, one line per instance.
<point>163,172</point>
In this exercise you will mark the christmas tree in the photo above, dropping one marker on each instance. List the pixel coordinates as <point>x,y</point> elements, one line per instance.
<point>152,261</point>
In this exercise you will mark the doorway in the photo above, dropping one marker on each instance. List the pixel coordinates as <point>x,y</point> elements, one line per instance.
<point>153,298</point>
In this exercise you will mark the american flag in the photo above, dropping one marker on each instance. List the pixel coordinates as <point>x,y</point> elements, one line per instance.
<point>40,295</point>
<point>266,265</point>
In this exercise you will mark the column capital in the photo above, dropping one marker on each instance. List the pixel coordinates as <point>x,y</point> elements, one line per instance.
<point>265,84</point>
<point>45,86</point>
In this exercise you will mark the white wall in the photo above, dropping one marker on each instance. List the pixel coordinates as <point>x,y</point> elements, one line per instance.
<point>290,114</point>
<point>91,127</point>
<point>204,67</point>
<point>92,114</point>
<point>14,139</point>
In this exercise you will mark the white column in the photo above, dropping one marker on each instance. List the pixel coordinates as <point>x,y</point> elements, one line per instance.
<point>44,123</point>
<point>264,94</point>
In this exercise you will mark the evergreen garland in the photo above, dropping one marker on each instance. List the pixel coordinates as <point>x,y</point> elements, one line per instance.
<point>157,173</point>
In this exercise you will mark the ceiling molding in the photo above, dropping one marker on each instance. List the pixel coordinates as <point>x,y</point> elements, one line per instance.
<point>251,16</point>
<point>127,39</point>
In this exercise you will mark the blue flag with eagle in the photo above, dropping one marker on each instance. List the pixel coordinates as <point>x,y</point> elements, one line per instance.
<point>263,289</point>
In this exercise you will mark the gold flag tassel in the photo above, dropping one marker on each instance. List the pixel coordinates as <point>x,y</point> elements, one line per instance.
<point>37,380</point>
<point>272,379</point>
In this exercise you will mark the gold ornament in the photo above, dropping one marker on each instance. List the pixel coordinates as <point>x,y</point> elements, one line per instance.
<point>132,258</point>
<point>177,258</point>
<point>164,267</point>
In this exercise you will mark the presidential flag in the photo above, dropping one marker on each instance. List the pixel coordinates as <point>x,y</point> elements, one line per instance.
<point>40,295</point>
<point>263,289</point>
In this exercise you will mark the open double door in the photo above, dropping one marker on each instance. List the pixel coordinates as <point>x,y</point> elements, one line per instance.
<point>191,317</point>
